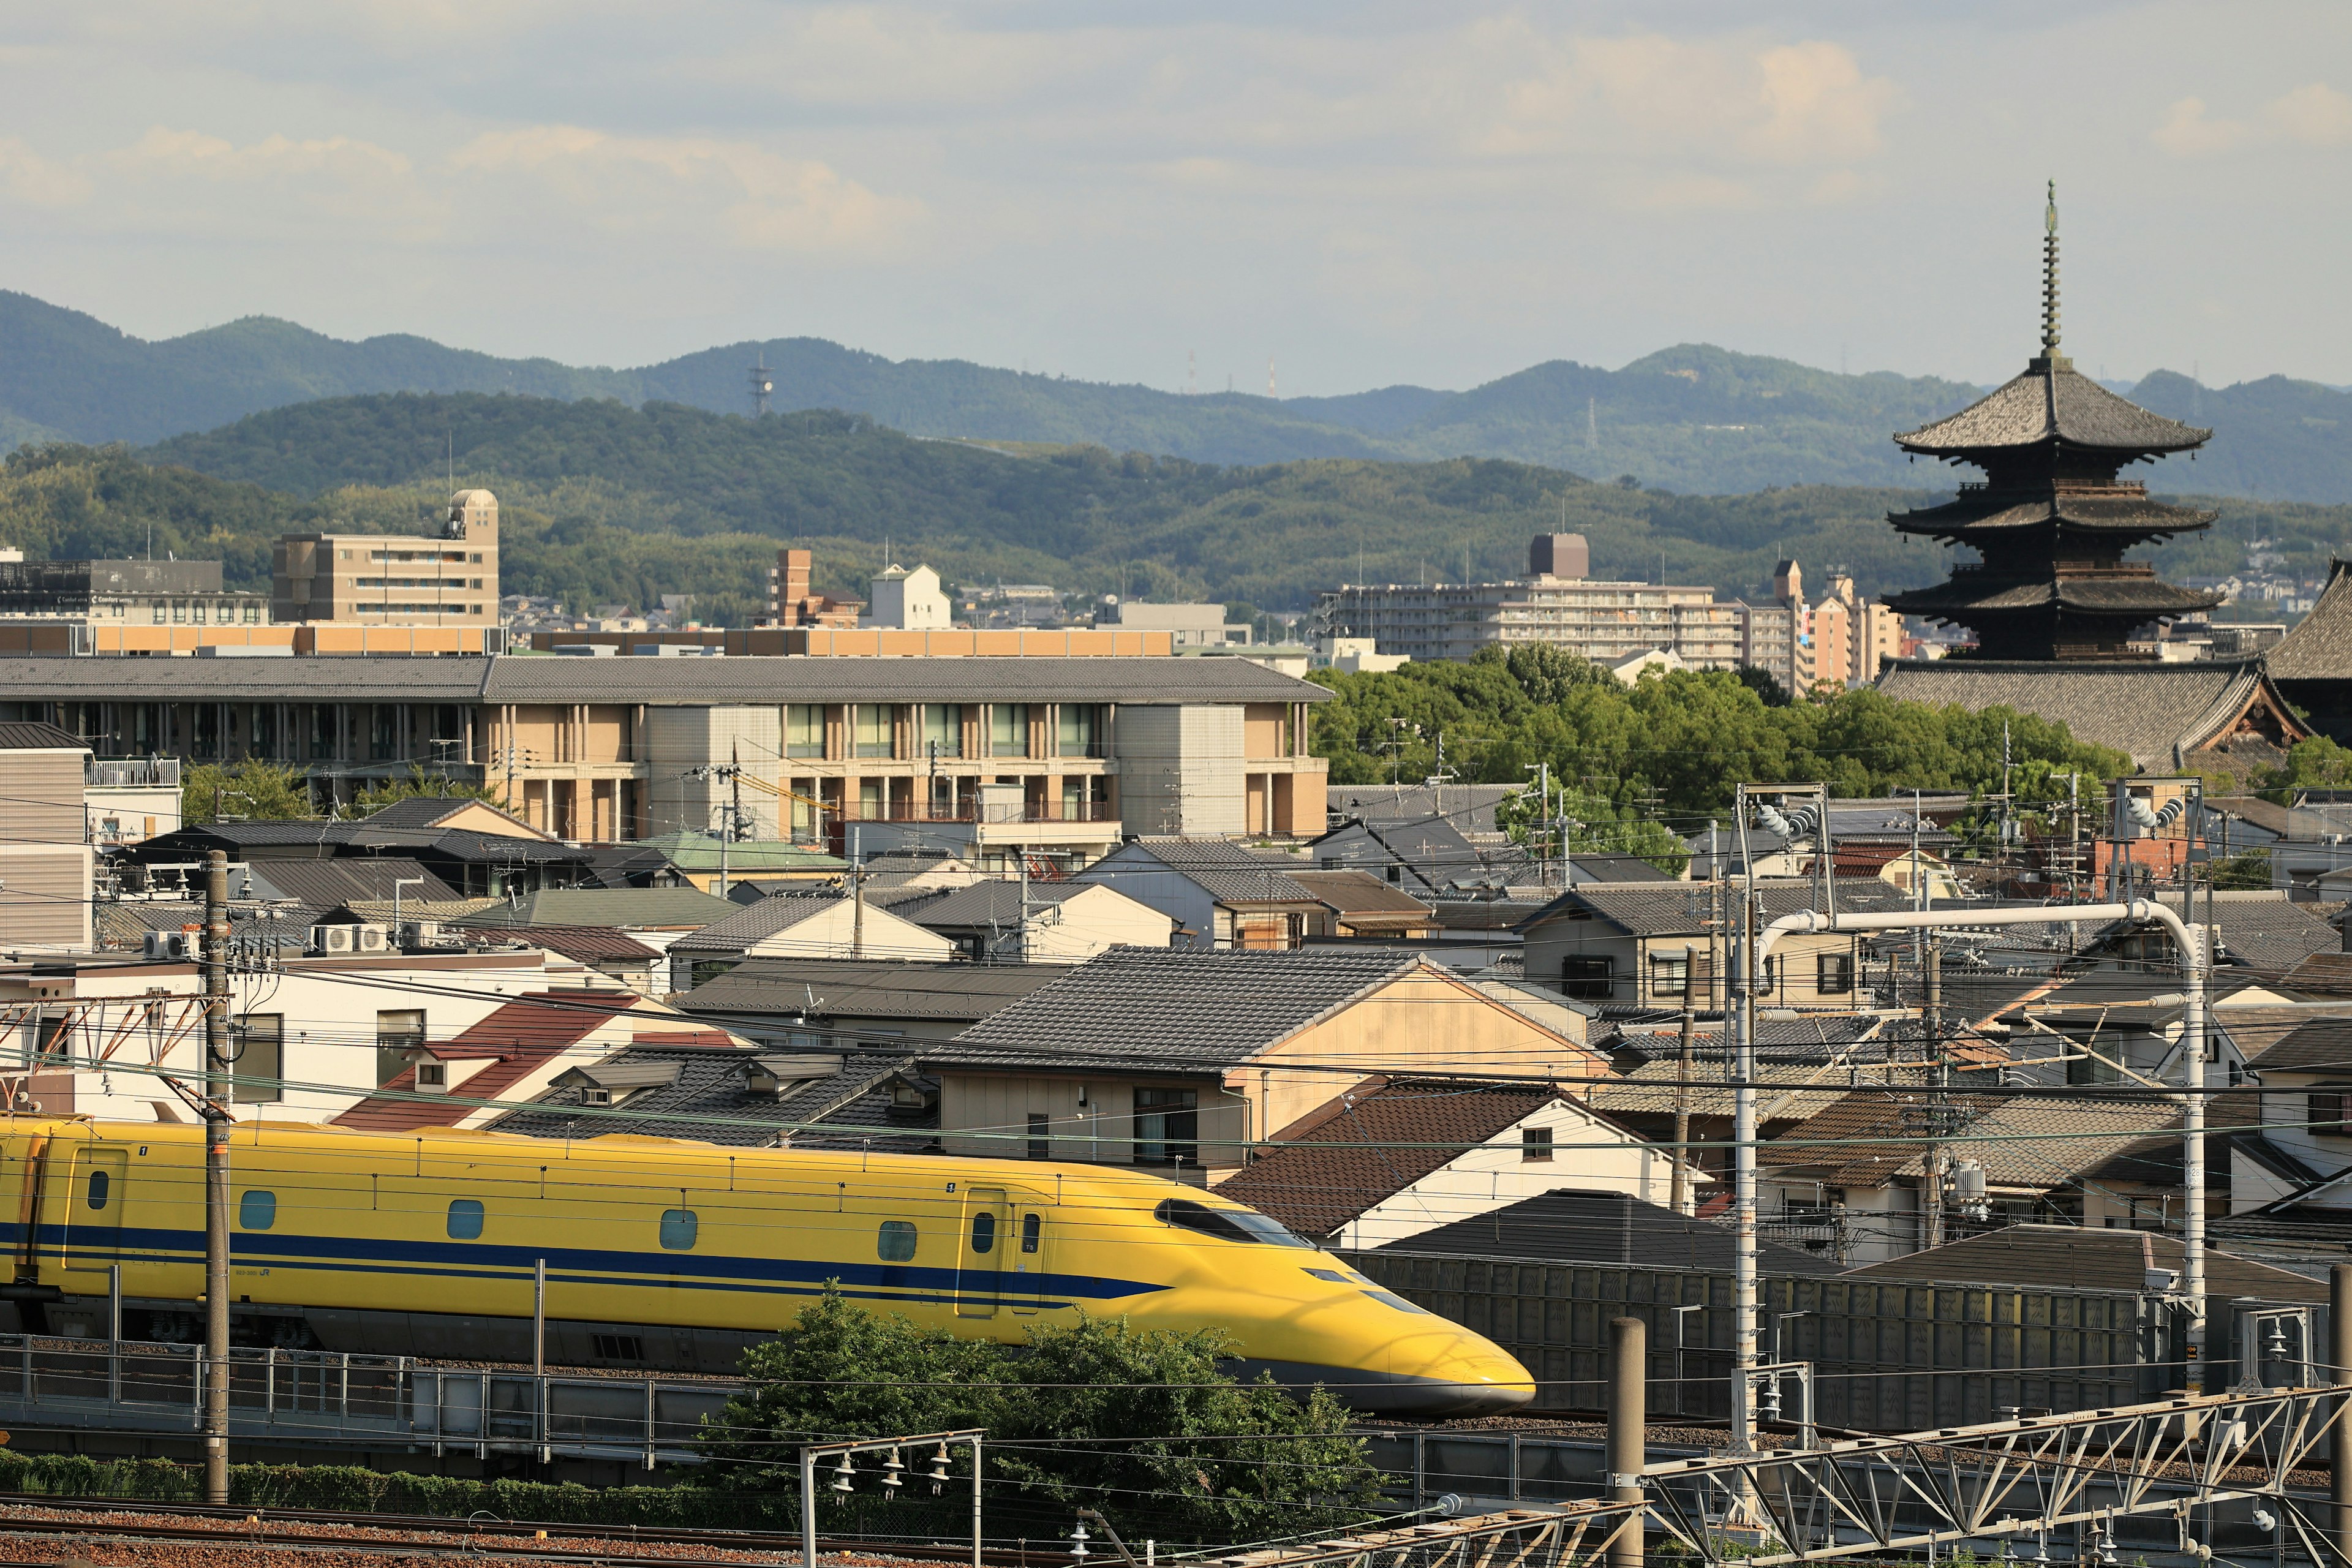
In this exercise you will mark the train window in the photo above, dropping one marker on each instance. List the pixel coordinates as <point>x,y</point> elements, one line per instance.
<point>1333,1274</point>
<point>1033,1232</point>
<point>99,1183</point>
<point>1226,1225</point>
<point>984,1232</point>
<point>677,1229</point>
<point>895,1242</point>
<point>257,1211</point>
<point>464,1219</point>
<point>1391,1298</point>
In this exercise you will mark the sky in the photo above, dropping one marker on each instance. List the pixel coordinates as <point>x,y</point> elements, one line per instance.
<point>1357,195</point>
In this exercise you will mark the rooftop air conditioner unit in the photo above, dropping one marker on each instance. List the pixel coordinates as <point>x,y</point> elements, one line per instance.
<point>168,946</point>
<point>373,939</point>
<point>414,934</point>
<point>332,939</point>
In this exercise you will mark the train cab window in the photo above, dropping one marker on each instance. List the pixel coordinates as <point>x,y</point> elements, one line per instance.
<point>1391,1298</point>
<point>1226,1225</point>
<point>894,1243</point>
<point>257,1211</point>
<point>464,1219</point>
<point>1033,1232</point>
<point>677,1229</point>
<point>984,1232</point>
<point>99,1182</point>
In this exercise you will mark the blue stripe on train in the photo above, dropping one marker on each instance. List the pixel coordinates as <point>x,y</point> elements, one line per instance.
<point>592,1265</point>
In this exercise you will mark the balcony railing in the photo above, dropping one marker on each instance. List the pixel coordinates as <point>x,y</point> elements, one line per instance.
<point>132,772</point>
<point>974,810</point>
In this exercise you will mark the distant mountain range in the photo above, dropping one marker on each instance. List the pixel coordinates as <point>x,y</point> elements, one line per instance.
<point>1693,419</point>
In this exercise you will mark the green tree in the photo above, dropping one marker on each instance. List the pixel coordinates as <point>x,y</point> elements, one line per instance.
<point>253,790</point>
<point>2316,764</point>
<point>1141,1424</point>
<point>418,783</point>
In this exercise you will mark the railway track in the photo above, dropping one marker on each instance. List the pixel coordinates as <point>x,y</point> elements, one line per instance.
<point>192,1533</point>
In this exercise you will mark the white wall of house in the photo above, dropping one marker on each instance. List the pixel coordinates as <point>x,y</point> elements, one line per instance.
<point>1086,923</point>
<point>835,932</point>
<point>1586,1152</point>
<point>331,1016</point>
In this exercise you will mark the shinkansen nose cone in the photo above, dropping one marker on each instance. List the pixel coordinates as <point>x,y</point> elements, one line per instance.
<point>1435,1373</point>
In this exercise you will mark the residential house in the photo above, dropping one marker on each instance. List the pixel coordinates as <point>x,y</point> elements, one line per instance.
<point>793,925</point>
<point>1219,895</point>
<point>657,915</point>
<point>1626,943</point>
<point>614,953</point>
<point>1359,903</point>
<point>844,1004</point>
<point>2305,1076</point>
<point>312,1034</point>
<point>467,858</point>
<point>514,1054</point>
<point>1000,920</point>
<point>704,861</point>
<point>741,1098</point>
<point>1185,1060</point>
<point>1394,1157</point>
<point>2264,930</point>
<point>48,870</point>
<point>127,800</point>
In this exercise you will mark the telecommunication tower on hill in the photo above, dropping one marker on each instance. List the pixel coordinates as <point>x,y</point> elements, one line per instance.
<point>763,383</point>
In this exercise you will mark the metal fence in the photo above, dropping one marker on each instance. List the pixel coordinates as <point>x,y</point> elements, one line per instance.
<point>1888,1357</point>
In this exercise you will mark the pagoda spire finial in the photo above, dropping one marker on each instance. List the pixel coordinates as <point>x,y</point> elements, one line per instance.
<point>2050,275</point>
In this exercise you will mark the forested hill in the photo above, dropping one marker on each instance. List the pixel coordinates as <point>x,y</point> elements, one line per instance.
<point>1691,418</point>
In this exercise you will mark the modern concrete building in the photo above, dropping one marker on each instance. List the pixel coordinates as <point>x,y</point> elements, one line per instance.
<point>1555,605</point>
<point>379,579</point>
<point>127,592</point>
<point>1055,756</point>
<point>905,601</point>
<point>1190,625</point>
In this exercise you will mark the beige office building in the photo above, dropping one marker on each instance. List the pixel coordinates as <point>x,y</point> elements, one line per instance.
<point>390,579</point>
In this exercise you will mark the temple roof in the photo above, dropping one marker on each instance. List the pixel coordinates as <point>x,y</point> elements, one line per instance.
<point>2320,647</point>
<point>2119,509</point>
<point>2157,713</point>
<point>1964,597</point>
<point>2053,404</point>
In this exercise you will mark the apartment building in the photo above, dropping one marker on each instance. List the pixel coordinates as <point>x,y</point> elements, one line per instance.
<point>47,869</point>
<point>1055,756</point>
<point>380,579</point>
<point>125,593</point>
<point>1555,605</point>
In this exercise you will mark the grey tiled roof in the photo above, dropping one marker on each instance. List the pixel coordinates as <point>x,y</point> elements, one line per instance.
<point>2265,930</point>
<point>2320,647</point>
<point>638,907</point>
<point>2154,713</point>
<point>1570,1224</point>
<point>990,904</point>
<point>1174,1010</point>
<point>326,883</point>
<point>1224,870</point>
<point>2052,401</point>
<point>2322,1045</point>
<point>754,923</point>
<point>374,678</point>
<point>29,735</point>
<point>708,1101</point>
<point>851,988</point>
<point>1683,909</point>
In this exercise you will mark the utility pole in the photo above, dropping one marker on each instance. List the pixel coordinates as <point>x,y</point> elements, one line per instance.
<point>217,1130</point>
<point>1743,1148</point>
<point>1931,1191</point>
<point>856,891</point>
<point>1680,1199</point>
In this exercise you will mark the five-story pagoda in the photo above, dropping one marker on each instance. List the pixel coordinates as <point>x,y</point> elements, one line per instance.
<point>2051,520</point>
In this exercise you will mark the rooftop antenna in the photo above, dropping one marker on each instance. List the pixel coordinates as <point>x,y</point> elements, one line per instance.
<point>763,383</point>
<point>2050,275</point>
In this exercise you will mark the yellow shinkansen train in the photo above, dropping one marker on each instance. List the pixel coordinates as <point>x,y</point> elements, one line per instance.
<point>671,1254</point>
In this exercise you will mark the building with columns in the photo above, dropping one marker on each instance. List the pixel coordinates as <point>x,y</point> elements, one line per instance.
<point>1051,757</point>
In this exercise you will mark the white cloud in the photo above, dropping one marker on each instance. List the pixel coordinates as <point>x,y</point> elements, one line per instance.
<point>28,177</point>
<point>758,198</point>
<point>2312,115</point>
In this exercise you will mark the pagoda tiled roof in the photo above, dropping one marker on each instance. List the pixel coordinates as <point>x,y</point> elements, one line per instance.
<point>2053,404</point>
<point>1962,598</point>
<point>2121,508</point>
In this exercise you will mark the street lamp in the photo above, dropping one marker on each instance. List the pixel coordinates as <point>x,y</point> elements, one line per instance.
<point>1682,1317</point>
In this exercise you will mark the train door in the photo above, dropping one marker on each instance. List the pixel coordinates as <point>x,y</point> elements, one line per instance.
<point>1030,1239</point>
<point>985,1244</point>
<point>92,1210</point>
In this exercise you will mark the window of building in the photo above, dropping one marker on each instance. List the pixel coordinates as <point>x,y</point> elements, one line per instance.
<point>464,1219</point>
<point>260,1065</point>
<point>895,1242</point>
<point>1078,728</point>
<point>398,1031</point>
<point>1008,730</point>
<point>1667,975</point>
<point>983,1231</point>
<point>1167,1127</point>
<point>179,611</point>
<point>938,730</point>
<point>870,807</point>
<point>1833,974</point>
<point>803,730</point>
<point>1040,1138</point>
<point>160,612</point>
<point>870,727</point>
<point>256,1210</point>
<point>678,1227</point>
<point>2088,1069</point>
<point>474,558</point>
<point>2328,1110</point>
<point>1588,979</point>
<point>1534,1144</point>
<point>252,613</point>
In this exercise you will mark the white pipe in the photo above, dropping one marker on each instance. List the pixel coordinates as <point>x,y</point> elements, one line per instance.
<point>2188,938</point>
